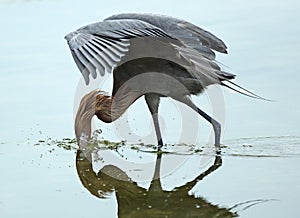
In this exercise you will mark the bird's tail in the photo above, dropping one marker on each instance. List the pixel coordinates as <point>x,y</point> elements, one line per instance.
<point>237,88</point>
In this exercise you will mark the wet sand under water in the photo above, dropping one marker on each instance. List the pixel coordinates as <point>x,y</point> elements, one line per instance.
<point>254,177</point>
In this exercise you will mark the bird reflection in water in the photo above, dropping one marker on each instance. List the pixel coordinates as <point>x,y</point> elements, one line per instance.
<point>135,201</point>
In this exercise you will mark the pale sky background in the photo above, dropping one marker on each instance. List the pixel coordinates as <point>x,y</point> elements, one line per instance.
<point>39,77</point>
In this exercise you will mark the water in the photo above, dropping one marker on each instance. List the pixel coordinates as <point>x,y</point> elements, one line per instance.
<point>260,159</point>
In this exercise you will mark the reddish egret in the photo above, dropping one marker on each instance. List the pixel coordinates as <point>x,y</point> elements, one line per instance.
<point>161,56</point>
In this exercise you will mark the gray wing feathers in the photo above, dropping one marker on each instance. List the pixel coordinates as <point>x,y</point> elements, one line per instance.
<point>189,34</point>
<point>205,71</point>
<point>206,38</point>
<point>200,67</point>
<point>121,28</point>
<point>81,67</point>
<point>99,47</point>
<point>93,55</point>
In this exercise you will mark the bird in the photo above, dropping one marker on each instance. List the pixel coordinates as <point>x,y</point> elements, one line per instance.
<point>149,55</point>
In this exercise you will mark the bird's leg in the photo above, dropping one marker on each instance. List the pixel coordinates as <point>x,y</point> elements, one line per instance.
<point>216,125</point>
<point>157,130</point>
<point>152,101</point>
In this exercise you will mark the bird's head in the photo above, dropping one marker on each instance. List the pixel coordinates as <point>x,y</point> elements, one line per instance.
<point>93,103</point>
<point>85,112</point>
<point>106,108</point>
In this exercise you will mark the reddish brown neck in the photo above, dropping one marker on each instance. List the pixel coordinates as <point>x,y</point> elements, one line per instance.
<point>110,108</point>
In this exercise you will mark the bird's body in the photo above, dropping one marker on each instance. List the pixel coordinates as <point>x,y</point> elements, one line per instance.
<point>149,55</point>
<point>130,70</point>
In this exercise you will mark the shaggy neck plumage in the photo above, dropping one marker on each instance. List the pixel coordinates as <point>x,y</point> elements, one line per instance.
<point>110,108</point>
<point>103,109</point>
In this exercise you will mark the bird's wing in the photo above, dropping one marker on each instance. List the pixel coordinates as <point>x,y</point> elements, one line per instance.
<point>204,70</point>
<point>190,35</point>
<point>99,47</point>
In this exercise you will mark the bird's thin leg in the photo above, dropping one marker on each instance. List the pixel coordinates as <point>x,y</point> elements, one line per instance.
<point>157,130</point>
<point>152,101</point>
<point>216,125</point>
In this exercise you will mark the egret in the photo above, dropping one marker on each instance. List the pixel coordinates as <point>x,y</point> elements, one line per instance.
<point>149,55</point>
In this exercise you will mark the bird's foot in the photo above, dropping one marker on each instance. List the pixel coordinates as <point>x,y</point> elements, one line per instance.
<point>218,149</point>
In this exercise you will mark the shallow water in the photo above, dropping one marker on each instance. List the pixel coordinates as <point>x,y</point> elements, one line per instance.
<point>43,173</point>
<point>250,178</point>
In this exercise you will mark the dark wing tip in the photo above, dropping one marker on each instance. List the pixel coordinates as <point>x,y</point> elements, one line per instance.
<point>221,49</point>
<point>226,75</point>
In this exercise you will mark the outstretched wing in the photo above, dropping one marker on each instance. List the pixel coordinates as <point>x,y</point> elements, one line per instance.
<point>190,35</point>
<point>99,47</point>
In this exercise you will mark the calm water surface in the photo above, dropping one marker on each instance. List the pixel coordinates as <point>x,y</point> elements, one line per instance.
<point>43,173</point>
